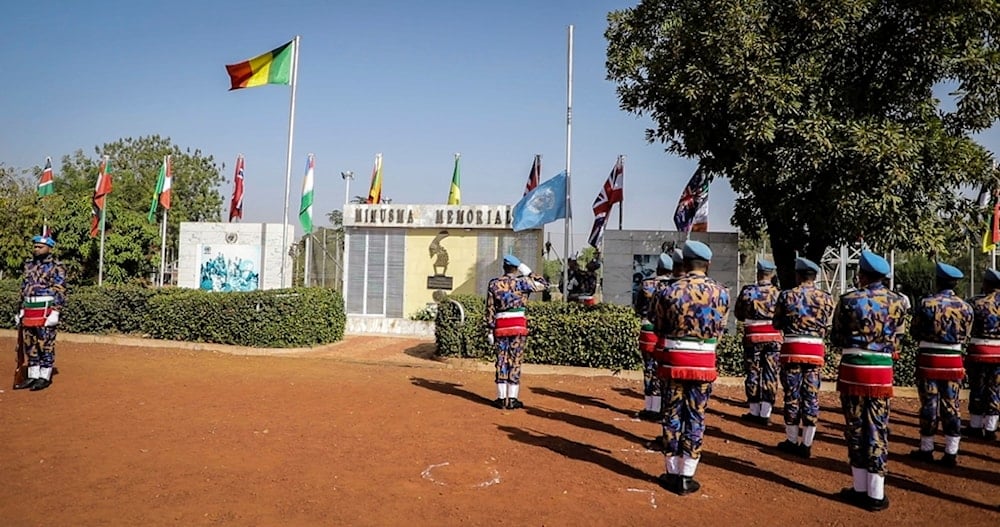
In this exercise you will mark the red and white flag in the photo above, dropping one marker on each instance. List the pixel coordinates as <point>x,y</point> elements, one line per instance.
<point>610,194</point>
<point>236,205</point>
<point>101,191</point>
<point>535,176</point>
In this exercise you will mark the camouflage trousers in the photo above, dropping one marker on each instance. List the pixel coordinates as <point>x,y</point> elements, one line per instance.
<point>984,388</point>
<point>510,353</point>
<point>801,383</point>
<point>684,407</point>
<point>867,431</point>
<point>651,384</point>
<point>760,362</point>
<point>939,402</point>
<point>40,346</point>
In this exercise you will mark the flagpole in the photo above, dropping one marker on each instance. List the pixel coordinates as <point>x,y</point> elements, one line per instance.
<point>163,246</point>
<point>569,145</point>
<point>104,209</point>
<point>305,270</point>
<point>621,204</point>
<point>288,164</point>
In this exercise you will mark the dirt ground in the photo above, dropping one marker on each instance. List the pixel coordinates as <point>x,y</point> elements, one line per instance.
<point>165,436</point>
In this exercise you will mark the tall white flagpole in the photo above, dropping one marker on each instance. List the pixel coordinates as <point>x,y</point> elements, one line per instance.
<point>163,234</point>
<point>288,164</point>
<point>305,268</point>
<point>569,148</point>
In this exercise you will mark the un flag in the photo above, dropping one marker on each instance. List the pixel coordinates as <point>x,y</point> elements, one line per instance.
<point>545,204</point>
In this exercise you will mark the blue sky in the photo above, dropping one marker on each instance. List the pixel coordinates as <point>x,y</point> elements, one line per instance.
<point>416,81</point>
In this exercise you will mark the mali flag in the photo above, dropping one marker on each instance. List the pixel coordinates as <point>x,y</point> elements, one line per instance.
<point>273,67</point>
<point>455,194</point>
<point>375,191</point>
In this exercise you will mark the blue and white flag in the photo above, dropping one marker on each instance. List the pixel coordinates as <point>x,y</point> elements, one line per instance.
<point>545,204</point>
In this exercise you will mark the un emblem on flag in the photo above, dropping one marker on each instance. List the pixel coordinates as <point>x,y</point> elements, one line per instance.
<point>543,200</point>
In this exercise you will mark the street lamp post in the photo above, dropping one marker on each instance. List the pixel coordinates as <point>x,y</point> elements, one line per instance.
<point>347,176</point>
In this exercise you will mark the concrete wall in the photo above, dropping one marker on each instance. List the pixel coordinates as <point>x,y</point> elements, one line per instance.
<point>240,236</point>
<point>621,249</point>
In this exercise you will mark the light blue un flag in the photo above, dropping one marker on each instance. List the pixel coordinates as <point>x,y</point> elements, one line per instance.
<point>545,204</point>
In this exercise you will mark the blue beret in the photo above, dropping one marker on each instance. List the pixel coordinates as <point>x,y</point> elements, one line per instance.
<point>47,240</point>
<point>992,276</point>
<point>694,250</point>
<point>666,262</point>
<point>677,256</point>
<point>943,270</point>
<point>765,266</point>
<point>805,264</point>
<point>511,260</point>
<point>873,263</point>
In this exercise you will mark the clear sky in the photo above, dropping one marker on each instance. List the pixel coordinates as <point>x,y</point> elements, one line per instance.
<point>416,81</point>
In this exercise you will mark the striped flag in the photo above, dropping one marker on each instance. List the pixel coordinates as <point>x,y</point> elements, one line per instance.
<point>535,176</point>
<point>236,205</point>
<point>101,191</point>
<point>455,193</point>
<point>273,67</point>
<point>375,191</point>
<point>45,181</point>
<point>306,205</point>
<point>611,193</point>
<point>691,214</point>
<point>161,196</point>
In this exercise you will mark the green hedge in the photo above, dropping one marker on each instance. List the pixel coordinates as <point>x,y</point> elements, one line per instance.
<point>602,336</point>
<point>275,318</point>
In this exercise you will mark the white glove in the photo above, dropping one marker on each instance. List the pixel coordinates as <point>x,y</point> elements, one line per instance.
<point>490,339</point>
<point>18,317</point>
<point>524,269</point>
<point>52,319</point>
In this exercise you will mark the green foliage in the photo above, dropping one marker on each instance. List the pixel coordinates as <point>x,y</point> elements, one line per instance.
<point>276,318</point>
<point>427,314</point>
<point>829,103</point>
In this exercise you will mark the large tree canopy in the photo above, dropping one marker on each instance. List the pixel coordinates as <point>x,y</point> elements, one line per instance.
<point>822,113</point>
<point>132,243</point>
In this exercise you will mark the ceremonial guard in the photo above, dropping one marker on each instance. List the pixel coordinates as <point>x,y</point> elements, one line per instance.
<point>942,323</point>
<point>43,295</point>
<point>644,304</point>
<point>804,315</point>
<point>866,327</point>
<point>690,318</point>
<point>761,343</point>
<point>583,282</point>
<point>983,360</point>
<point>507,327</point>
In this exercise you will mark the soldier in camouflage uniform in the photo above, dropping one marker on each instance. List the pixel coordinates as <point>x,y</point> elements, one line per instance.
<point>644,307</point>
<point>44,284</point>
<point>761,343</point>
<point>983,361</point>
<point>507,327</point>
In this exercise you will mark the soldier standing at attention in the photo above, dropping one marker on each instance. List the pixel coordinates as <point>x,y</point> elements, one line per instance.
<point>690,318</point>
<point>761,343</point>
<point>983,360</point>
<point>866,326</point>
<point>507,326</point>
<point>942,323</point>
<point>644,305</point>
<point>804,315</point>
<point>43,295</point>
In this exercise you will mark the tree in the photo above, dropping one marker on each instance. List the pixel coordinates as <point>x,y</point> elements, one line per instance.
<point>822,113</point>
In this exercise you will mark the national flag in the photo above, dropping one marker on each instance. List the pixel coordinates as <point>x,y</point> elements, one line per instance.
<point>610,194</point>
<point>45,181</point>
<point>375,191</point>
<point>534,176</point>
<point>101,191</point>
<point>691,214</point>
<point>236,205</point>
<point>545,204</point>
<point>455,193</point>
<point>306,205</point>
<point>161,196</point>
<point>984,196</point>
<point>273,67</point>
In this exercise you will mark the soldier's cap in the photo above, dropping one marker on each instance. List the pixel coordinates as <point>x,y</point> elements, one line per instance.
<point>807,265</point>
<point>666,262</point>
<point>992,276</point>
<point>47,240</point>
<point>695,250</point>
<point>873,263</point>
<point>950,272</point>
<point>765,266</point>
<point>677,256</point>
<point>511,260</point>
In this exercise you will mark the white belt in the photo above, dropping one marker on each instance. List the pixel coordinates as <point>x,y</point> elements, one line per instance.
<point>861,352</point>
<point>802,339</point>
<point>511,314</point>
<point>985,342</point>
<point>939,346</point>
<point>688,345</point>
<point>39,298</point>
<point>757,322</point>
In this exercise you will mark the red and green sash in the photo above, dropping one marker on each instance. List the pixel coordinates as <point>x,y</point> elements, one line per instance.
<point>647,339</point>
<point>984,351</point>
<point>802,349</point>
<point>687,359</point>
<point>865,373</point>
<point>36,310</point>
<point>511,323</point>
<point>937,361</point>
<point>755,331</point>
